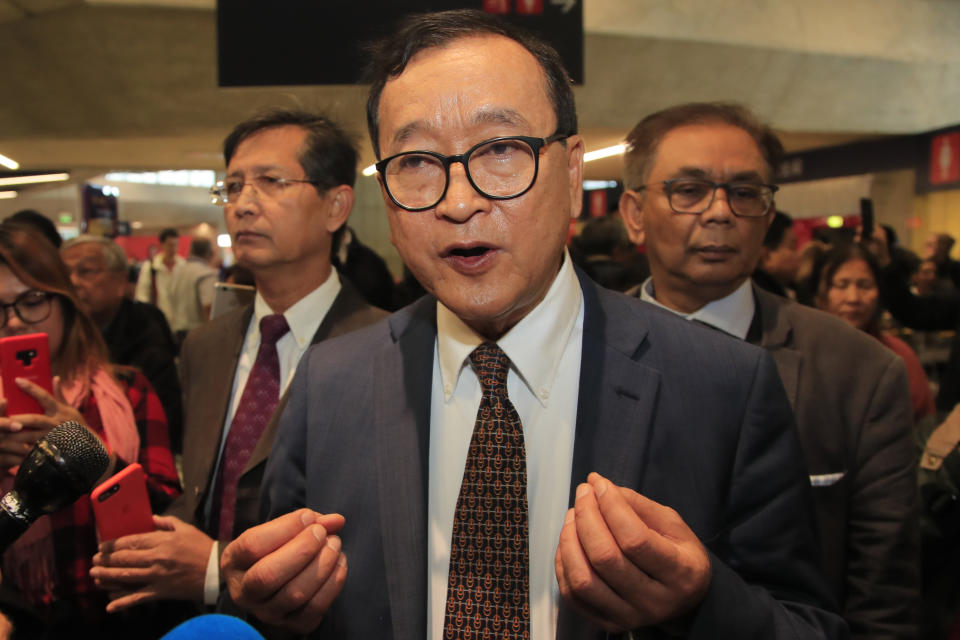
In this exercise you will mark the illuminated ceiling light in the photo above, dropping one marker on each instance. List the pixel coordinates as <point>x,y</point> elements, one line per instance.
<point>835,222</point>
<point>6,195</point>
<point>9,163</point>
<point>590,185</point>
<point>34,179</point>
<point>223,240</point>
<point>369,171</point>
<point>136,224</point>
<point>606,152</point>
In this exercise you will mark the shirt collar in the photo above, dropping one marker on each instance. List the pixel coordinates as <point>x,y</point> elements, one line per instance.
<point>732,314</point>
<point>534,345</point>
<point>306,314</point>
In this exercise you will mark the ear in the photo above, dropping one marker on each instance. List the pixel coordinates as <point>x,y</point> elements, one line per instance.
<point>575,169</point>
<point>631,211</point>
<point>341,203</point>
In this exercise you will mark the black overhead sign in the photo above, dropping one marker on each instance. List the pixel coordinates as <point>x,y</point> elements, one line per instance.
<point>317,42</point>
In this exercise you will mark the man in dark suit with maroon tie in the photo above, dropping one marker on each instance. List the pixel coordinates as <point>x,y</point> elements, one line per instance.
<point>287,192</point>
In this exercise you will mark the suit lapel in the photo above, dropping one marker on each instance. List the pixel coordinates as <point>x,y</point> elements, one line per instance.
<point>402,386</point>
<point>224,354</point>
<point>777,338</point>
<point>615,410</point>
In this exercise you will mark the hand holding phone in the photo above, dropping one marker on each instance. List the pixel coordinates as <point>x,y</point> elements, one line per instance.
<point>121,504</point>
<point>28,357</point>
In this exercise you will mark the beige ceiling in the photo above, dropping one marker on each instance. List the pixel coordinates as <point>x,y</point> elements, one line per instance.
<point>99,85</point>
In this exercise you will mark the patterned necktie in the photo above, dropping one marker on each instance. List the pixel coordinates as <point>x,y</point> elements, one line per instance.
<point>259,399</point>
<point>488,589</point>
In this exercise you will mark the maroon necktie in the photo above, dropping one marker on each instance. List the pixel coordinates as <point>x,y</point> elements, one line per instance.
<point>259,399</point>
<point>488,589</point>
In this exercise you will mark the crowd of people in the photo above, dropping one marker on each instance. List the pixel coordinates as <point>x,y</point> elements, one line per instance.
<point>729,443</point>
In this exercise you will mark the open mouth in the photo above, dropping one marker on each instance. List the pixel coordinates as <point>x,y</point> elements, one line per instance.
<point>472,252</point>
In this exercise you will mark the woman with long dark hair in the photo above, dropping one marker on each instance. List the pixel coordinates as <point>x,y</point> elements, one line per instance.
<point>848,288</point>
<point>50,563</point>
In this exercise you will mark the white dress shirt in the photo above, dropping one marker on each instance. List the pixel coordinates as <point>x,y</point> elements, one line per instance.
<point>543,383</point>
<point>732,314</point>
<point>304,318</point>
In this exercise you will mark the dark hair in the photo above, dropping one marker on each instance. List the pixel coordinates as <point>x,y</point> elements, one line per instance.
<point>37,264</point>
<point>830,262</point>
<point>416,33</point>
<point>643,140</point>
<point>778,228</point>
<point>201,248</point>
<point>38,222</point>
<point>169,232</point>
<point>328,156</point>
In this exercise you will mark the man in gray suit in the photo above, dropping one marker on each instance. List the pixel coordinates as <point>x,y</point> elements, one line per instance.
<point>698,195</point>
<point>288,190</point>
<point>663,483</point>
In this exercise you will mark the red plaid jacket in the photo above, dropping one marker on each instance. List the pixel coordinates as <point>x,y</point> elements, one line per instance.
<point>74,531</point>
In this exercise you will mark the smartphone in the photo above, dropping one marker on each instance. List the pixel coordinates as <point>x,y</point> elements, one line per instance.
<point>230,297</point>
<point>121,505</point>
<point>26,356</point>
<point>866,219</point>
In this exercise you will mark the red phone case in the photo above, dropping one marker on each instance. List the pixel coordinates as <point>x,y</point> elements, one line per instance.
<point>121,504</point>
<point>27,357</point>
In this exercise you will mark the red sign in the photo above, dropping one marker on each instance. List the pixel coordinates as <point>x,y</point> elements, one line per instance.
<point>945,158</point>
<point>529,7</point>
<point>496,6</point>
<point>598,203</point>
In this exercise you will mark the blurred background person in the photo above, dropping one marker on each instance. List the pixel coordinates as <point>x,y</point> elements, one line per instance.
<point>136,333</point>
<point>364,268</point>
<point>156,274</point>
<point>924,280</point>
<point>938,247</point>
<point>848,277</point>
<point>50,563</point>
<point>192,288</point>
<point>779,259</point>
<point>604,251</point>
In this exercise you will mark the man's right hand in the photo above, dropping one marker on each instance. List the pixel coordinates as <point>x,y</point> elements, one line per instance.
<point>287,572</point>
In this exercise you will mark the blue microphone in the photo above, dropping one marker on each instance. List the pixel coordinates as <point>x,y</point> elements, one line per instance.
<point>214,626</point>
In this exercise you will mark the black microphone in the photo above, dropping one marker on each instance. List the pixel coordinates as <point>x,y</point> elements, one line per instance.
<point>59,469</point>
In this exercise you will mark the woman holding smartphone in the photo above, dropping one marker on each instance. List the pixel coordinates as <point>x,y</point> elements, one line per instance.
<point>50,563</point>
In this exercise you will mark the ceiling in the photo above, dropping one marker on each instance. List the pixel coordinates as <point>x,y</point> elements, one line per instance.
<point>96,85</point>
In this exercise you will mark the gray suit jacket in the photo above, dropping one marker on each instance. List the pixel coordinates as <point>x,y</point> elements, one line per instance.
<point>852,403</point>
<point>208,362</point>
<point>685,415</point>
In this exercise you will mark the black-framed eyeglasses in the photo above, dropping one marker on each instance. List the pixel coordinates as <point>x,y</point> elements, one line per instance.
<point>746,199</point>
<point>499,169</point>
<point>229,190</point>
<point>31,307</point>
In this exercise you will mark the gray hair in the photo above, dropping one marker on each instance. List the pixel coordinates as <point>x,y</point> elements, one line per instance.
<point>112,252</point>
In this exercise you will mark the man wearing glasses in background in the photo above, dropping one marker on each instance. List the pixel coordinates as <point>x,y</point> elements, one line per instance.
<point>288,190</point>
<point>699,197</point>
<point>438,452</point>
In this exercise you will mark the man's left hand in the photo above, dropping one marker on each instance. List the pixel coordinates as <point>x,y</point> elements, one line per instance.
<point>169,563</point>
<point>625,561</point>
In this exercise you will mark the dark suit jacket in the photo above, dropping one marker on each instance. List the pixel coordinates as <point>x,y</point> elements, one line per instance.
<point>852,403</point>
<point>208,362</point>
<point>139,336</point>
<point>689,417</point>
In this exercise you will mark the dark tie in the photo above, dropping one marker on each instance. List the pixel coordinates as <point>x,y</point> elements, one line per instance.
<point>259,399</point>
<point>488,590</point>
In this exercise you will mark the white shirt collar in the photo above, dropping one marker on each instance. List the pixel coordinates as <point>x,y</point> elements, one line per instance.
<point>732,314</point>
<point>305,316</point>
<point>534,345</point>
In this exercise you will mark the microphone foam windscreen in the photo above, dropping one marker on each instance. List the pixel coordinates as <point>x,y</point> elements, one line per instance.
<point>213,626</point>
<point>88,458</point>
